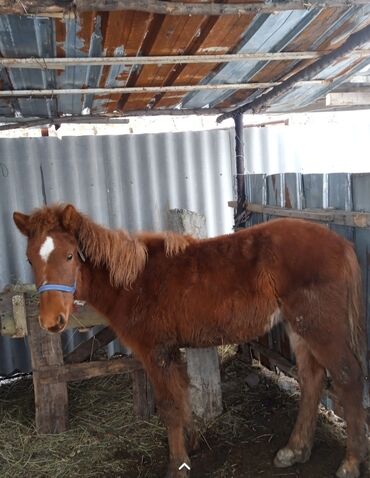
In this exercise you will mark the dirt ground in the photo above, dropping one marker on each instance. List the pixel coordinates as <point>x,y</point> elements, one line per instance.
<point>106,440</point>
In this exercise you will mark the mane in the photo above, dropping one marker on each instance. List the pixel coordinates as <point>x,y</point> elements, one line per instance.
<point>124,255</point>
<point>173,243</point>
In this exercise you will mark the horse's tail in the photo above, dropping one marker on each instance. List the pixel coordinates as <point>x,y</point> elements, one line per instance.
<point>356,318</point>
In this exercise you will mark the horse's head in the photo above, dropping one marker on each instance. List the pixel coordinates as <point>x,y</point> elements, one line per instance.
<point>52,251</point>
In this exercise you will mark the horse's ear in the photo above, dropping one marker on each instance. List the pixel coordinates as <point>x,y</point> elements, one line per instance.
<point>22,221</point>
<point>71,219</point>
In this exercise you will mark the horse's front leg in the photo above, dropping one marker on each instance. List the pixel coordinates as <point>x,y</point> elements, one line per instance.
<point>170,382</point>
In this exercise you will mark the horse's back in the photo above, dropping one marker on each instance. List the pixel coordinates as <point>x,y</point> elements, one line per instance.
<point>301,250</point>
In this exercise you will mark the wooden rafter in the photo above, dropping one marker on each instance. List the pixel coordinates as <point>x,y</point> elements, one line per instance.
<point>61,63</point>
<point>52,7</point>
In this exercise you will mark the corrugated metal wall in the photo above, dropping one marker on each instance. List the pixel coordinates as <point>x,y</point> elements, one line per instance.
<point>122,181</point>
<point>350,192</point>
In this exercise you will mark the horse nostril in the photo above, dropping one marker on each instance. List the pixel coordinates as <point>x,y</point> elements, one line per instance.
<point>61,320</point>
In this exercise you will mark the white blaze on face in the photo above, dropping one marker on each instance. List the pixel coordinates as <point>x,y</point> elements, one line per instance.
<point>47,248</point>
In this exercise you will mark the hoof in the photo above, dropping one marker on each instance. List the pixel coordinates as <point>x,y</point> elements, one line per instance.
<point>347,470</point>
<point>288,457</point>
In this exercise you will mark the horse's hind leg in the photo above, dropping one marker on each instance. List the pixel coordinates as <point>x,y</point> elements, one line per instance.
<point>347,377</point>
<point>311,374</point>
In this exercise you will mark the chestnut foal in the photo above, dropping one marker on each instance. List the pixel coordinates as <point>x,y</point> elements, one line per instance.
<point>164,291</point>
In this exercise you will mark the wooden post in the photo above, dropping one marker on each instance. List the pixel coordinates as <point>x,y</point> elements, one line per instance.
<point>19,314</point>
<point>51,400</point>
<point>202,364</point>
<point>143,396</point>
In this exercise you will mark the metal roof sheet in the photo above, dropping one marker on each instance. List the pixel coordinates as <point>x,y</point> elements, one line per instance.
<point>130,33</point>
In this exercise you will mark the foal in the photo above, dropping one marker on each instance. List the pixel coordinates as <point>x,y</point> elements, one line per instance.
<point>164,291</point>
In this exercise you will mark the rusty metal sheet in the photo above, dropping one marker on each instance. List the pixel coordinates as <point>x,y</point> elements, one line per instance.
<point>124,35</point>
<point>313,36</point>
<point>98,34</point>
<point>224,33</point>
<point>175,36</point>
<point>82,36</point>
<point>267,33</point>
<point>32,37</point>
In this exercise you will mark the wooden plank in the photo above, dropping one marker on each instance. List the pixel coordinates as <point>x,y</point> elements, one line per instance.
<point>354,98</point>
<point>54,374</point>
<point>285,366</point>
<point>143,396</point>
<point>201,8</point>
<point>129,29</point>
<point>219,34</point>
<point>340,217</point>
<point>205,382</point>
<point>202,364</point>
<point>83,317</point>
<point>62,63</point>
<point>275,358</point>
<point>55,7</point>
<point>19,314</point>
<point>174,36</point>
<point>51,399</point>
<point>150,89</point>
<point>85,350</point>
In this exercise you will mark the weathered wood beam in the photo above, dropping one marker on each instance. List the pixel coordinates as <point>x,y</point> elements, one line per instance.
<point>62,63</point>
<point>333,216</point>
<point>51,399</point>
<point>83,317</point>
<point>275,359</point>
<point>307,73</point>
<point>150,89</point>
<point>143,395</point>
<point>82,371</point>
<point>53,7</point>
<point>83,320</point>
<point>121,119</point>
<point>19,315</point>
<point>179,8</point>
<point>86,350</point>
<point>348,99</point>
<point>202,363</point>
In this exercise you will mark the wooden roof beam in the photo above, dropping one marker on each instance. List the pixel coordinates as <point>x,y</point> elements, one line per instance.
<point>122,118</point>
<point>54,7</point>
<point>150,89</point>
<point>61,63</point>
<point>354,98</point>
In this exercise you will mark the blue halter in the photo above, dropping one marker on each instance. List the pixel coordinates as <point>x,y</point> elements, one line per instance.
<point>58,287</point>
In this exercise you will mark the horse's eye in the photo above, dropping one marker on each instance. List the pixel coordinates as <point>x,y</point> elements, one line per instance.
<point>69,257</point>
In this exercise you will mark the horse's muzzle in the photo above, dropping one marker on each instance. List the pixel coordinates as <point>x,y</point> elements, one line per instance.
<point>60,325</point>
